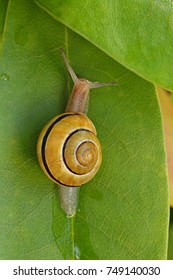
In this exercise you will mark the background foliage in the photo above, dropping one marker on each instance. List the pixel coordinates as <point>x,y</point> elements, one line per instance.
<point>123,211</point>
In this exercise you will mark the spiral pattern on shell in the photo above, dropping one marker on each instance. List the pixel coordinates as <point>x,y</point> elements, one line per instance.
<point>68,149</point>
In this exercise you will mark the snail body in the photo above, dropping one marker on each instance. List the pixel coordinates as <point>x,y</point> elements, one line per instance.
<point>68,149</point>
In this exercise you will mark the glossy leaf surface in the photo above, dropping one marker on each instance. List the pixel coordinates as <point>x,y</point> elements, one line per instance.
<point>123,211</point>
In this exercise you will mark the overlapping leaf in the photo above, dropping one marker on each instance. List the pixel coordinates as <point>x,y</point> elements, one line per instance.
<point>123,211</point>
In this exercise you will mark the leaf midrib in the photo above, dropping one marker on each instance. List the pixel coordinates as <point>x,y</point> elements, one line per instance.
<point>3,19</point>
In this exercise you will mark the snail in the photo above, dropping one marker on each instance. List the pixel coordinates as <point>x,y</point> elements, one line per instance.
<point>68,149</point>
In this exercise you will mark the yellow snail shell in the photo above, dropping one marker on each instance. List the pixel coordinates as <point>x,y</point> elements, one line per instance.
<point>68,150</point>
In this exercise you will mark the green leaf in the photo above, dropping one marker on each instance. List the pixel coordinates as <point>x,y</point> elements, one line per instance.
<point>138,34</point>
<point>123,211</point>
